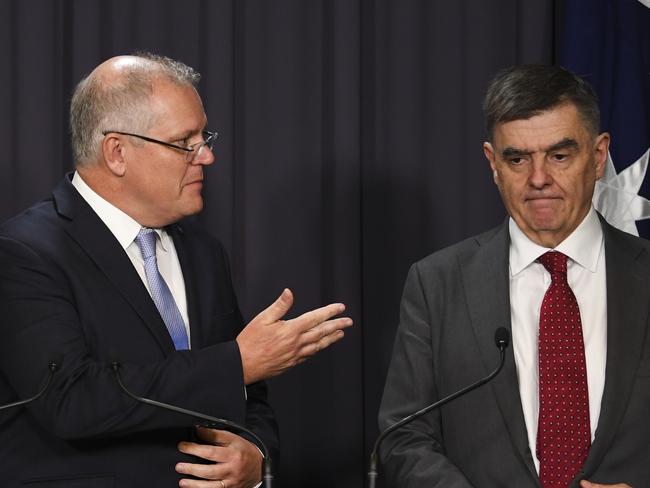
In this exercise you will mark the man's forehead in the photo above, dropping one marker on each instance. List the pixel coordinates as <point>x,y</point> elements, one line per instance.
<point>542,130</point>
<point>178,107</point>
<point>164,89</point>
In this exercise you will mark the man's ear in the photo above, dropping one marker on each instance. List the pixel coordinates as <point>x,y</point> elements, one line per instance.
<point>113,152</point>
<point>488,150</point>
<point>601,149</point>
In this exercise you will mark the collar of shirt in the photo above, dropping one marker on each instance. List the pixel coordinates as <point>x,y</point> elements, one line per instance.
<point>583,245</point>
<point>122,226</point>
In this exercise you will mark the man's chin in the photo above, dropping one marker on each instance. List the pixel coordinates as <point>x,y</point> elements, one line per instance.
<point>545,219</point>
<point>196,208</point>
<point>535,227</point>
<point>192,207</point>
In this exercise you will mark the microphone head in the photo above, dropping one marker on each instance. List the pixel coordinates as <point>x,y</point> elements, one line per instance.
<point>113,362</point>
<point>55,362</point>
<point>502,338</point>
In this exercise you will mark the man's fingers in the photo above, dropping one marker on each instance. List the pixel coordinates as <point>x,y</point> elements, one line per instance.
<point>204,471</point>
<point>215,436</point>
<point>205,451</point>
<point>327,328</point>
<point>324,342</point>
<point>322,336</point>
<point>314,317</point>
<point>185,483</point>
<point>277,309</point>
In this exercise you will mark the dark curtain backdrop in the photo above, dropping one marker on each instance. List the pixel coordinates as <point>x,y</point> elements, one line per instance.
<point>350,147</point>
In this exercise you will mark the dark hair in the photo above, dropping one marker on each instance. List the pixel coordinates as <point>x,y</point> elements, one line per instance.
<point>521,92</point>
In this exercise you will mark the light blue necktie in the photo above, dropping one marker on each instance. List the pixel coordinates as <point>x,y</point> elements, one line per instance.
<point>162,297</point>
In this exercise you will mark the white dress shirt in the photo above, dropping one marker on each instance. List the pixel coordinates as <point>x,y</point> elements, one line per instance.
<point>529,281</point>
<point>125,229</point>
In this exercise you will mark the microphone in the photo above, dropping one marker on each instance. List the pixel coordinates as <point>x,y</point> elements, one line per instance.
<point>212,422</point>
<point>52,368</point>
<point>502,340</point>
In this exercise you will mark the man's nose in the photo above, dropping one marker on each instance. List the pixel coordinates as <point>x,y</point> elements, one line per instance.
<point>204,157</point>
<point>540,176</point>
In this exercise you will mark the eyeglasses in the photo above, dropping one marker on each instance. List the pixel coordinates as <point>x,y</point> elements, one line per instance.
<point>191,152</point>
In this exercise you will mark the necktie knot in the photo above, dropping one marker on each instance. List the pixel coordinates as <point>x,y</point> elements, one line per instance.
<point>146,241</point>
<point>555,263</point>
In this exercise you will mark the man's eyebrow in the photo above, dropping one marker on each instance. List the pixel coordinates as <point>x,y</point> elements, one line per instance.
<point>513,152</point>
<point>565,143</point>
<point>184,135</point>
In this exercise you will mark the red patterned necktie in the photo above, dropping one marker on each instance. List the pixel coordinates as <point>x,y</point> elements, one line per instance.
<point>563,431</point>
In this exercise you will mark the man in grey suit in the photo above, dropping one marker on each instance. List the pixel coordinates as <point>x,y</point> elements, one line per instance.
<point>571,405</point>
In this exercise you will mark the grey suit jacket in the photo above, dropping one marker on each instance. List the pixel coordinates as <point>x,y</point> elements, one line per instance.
<point>453,302</point>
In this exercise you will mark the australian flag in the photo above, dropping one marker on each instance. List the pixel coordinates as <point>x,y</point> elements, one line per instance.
<point>607,42</point>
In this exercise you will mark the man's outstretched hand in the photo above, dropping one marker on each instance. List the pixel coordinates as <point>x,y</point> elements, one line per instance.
<point>269,345</point>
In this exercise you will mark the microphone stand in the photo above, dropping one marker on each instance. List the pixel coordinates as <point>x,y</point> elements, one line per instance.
<point>501,338</point>
<point>213,422</point>
<point>52,368</point>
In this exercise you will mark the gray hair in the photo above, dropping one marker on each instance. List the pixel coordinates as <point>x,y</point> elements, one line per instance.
<point>120,105</point>
<point>521,92</point>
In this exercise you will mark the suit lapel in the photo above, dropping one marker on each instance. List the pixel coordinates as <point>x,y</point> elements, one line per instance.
<point>486,281</point>
<point>92,235</point>
<point>190,268</point>
<point>628,295</point>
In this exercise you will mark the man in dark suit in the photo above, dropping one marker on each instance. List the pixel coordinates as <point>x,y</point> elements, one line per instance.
<point>106,270</point>
<point>573,399</point>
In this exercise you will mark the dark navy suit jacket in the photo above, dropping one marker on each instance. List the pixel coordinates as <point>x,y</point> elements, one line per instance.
<point>69,291</point>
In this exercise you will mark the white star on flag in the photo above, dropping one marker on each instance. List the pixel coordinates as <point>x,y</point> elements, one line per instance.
<point>616,195</point>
